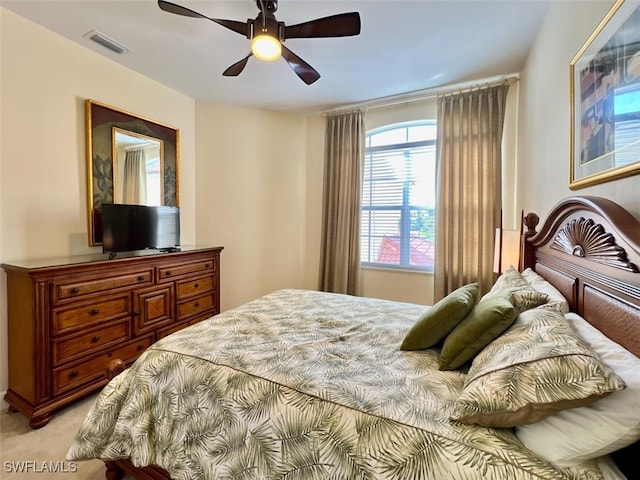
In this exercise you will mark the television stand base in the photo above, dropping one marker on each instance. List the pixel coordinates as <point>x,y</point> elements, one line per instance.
<point>169,249</point>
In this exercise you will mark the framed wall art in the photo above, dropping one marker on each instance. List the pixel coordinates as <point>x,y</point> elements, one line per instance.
<point>605,100</point>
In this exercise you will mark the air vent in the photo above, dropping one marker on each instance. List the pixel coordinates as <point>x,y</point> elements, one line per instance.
<point>111,44</point>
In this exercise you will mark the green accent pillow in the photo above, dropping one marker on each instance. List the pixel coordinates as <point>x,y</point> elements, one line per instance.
<point>488,319</point>
<point>441,318</point>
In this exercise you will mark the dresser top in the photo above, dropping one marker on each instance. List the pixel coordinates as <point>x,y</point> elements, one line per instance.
<point>100,257</point>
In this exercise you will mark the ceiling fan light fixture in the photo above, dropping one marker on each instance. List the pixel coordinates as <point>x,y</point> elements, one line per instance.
<point>266,47</point>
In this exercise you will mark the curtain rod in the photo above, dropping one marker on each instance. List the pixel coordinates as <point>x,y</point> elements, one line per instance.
<point>428,93</point>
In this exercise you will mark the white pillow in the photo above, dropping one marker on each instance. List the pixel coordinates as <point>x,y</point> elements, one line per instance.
<point>609,469</point>
<point>577,434</point>
<point>540,284</point>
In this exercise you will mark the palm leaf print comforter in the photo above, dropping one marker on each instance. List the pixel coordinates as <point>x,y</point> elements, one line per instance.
<point>300,385</point>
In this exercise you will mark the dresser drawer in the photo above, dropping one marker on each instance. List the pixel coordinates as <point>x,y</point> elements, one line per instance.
<point>66,378</point>
<point>86,344</point>
<point>172,271</point>
<point>66,320</point>
<point>195,306</point>
<point>65,289</point>
<point>194,286</point>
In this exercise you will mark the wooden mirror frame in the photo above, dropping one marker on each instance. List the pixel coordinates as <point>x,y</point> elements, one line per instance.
<point>100,120</point>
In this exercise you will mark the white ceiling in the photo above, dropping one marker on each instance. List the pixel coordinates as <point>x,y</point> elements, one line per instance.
<point>404,46</point>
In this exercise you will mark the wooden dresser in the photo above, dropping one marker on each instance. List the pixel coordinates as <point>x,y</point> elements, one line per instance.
<point>68,318</point>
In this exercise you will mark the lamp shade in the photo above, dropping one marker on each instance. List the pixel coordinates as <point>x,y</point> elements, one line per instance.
<point>507,250</point>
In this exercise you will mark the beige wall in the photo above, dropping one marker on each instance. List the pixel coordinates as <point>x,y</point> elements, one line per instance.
<point>543,169</point>
<point>251,197</point>
<point>45,80</point>
<point>3,281</point>
<point>510,213</point>
<point>313,209</point>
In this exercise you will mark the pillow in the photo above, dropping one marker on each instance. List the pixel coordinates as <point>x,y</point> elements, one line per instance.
<point>529,317</point>
<point>541,285</point>
<point>531,372</point>
<point>567,437</point>
<point>488,319</point>
<point>510,278</point>
<point>441,318</point>
<point>522,295</point>
<point>609,469</point>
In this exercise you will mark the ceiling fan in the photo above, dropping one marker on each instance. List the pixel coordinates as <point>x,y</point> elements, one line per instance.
<point>267,35</point>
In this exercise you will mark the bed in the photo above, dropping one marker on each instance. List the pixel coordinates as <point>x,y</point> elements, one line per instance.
<point>305,384</point>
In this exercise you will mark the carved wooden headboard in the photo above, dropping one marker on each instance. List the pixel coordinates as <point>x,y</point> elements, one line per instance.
<point>589,249</point>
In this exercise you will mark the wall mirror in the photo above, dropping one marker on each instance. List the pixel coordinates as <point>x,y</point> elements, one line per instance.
<point>130,159</point>
<point>138,173</point>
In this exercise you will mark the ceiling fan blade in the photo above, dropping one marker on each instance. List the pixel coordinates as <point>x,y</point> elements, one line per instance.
<point>238,27</point>
<point>341,25</point>
<point>179,10</point>
<point>234,25</point>
<point>305,71</point>
<point>236,69</point>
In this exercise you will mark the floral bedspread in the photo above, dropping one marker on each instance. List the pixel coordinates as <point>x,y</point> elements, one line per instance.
<point>300,385</point>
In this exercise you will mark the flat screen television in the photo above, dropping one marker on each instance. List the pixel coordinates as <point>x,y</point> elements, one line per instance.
<point>127,228</point>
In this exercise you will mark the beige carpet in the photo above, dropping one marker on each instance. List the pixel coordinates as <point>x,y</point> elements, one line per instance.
<point>49,444</point>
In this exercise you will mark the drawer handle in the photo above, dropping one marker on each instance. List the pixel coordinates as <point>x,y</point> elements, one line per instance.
<point>95,339</point>
<point>141,278</point>
<point>95,311</point>
<point>168,273</point>
<point>73,374</point>
<point>75,290</point>
<point>196,285</point>
<point>197,304</point>
<point>206,265</point>
<point>140,347</point>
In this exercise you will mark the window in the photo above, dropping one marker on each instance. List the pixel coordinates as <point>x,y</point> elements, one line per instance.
<point>154,192</point>
<point>398,196</point>
<point>626,121</point>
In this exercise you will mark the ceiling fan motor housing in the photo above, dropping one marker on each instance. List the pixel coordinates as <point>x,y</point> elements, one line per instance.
<point>266,24</point>
<point>267,5</point>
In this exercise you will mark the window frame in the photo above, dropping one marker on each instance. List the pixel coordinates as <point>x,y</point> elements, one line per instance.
<point>406,208</point>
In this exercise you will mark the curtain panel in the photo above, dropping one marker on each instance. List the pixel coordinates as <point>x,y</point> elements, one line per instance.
<point>344,158</point>
<point>469,196</point>
<point>134,181</point>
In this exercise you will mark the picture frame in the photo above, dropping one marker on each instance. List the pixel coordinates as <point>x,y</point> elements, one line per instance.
<point>605,100</point>
<point>103,124</point>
